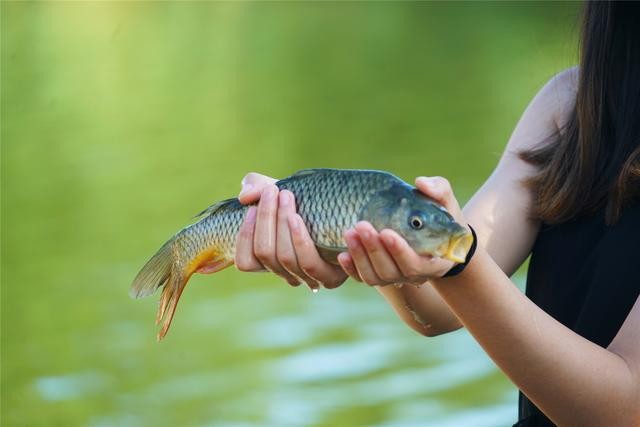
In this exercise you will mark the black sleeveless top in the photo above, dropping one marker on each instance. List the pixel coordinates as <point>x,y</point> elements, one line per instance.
<point>586,275</point>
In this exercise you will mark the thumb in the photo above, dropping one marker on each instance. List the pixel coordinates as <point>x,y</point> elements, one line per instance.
<point>439,189</point>
<point>252,186</point>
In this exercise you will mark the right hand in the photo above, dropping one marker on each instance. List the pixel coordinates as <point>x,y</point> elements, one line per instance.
<point>274,237</point>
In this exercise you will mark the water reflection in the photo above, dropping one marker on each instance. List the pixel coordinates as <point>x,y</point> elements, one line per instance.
<point>72,386</point>
<point>306,360</point>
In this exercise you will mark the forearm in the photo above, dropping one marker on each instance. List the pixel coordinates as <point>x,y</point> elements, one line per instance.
<point>572,380</point>
<point>424,306</point>
<point>421,307</point>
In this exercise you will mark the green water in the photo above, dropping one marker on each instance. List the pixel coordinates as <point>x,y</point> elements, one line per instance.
<point>122,120</point>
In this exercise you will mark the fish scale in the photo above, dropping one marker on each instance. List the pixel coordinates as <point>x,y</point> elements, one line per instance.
<point>330,201</point>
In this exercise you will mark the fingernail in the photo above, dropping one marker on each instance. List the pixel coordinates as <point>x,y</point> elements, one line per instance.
<point>387,240</point>
<point>365,235</point>
<point>250,216</point>
<point>246,188</point>
<point>284,199</point>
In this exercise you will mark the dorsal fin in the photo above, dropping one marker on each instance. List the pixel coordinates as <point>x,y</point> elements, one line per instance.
<point>216,207</point>
<point>313,171</point>
<point>310,171</point>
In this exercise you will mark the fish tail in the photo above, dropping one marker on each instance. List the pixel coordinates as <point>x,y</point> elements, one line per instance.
<point>208,261</point>
<point>169,301</point>
<point>203,247</point>
<point>154,273</point>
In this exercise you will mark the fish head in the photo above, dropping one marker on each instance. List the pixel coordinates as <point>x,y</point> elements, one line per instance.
<point>423,223</point>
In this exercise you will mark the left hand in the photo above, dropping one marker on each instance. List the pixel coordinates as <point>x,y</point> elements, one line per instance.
<point>385,258</point>
<point>274,237</point>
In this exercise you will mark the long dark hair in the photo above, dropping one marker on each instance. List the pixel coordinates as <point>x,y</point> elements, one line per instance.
<point>595,162</point>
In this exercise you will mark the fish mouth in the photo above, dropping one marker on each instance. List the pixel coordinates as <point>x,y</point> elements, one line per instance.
<point>459,247</point>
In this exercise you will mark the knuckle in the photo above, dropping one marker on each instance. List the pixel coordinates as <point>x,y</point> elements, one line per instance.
<point>260,252</point>
<point>251,177</point>
<point>243,265</point>
<point>445,183</point>
<point>334,283</point>
<point>412,272</point>
<point>312,284</point>
<point>283,275</point>
<point>263,254</point>
<point>288,261</point>
<point>246,179</point>
<point>372,282</point>
<point>310,269</point>
<point>373,249</point>
<point>387,277</point>
<point>300,241</point>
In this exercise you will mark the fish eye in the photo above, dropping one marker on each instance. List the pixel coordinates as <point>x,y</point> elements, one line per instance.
<point>416,222</point>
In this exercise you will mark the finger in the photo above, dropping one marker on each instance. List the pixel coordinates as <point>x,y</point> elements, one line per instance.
<point>412,265</point>
<point>360,258</point>
<point>252,186</point>
<point>439,189</point>
<point>331,276</point>
<point>346,262</point>
<point>285,252</point>
<point>245,260</point>
<point>264,237</point>
<point>381,261</point>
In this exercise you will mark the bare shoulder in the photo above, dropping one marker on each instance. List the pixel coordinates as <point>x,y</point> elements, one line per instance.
<point>547,113</point>
<point>560,95</point>
<point>500,209</point>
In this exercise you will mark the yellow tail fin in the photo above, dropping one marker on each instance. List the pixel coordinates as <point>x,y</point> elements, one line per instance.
<point>169,301</point>
<point>154,273</point>
<point>164,269</point>
<point>206,262</point>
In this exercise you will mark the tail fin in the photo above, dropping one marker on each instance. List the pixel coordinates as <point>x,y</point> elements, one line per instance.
<point>154,273</point>
<point>163,270</point>
<point>158,271</point>
<point>169,300</point>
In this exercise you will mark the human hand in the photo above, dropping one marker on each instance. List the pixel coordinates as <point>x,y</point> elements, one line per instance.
<point>274,237</point>
<point>383,258</point>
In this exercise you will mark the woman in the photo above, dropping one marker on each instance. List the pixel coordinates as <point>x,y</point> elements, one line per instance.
<point>566,190</point>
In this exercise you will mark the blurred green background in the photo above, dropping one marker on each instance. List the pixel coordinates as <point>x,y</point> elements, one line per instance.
<point>120,120</point>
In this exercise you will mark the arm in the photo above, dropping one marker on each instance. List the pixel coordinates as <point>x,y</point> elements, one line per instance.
<point>572,380</point>
<point>498,210</point>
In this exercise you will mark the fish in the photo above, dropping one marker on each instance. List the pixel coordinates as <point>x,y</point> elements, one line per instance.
<point>330,201</point>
